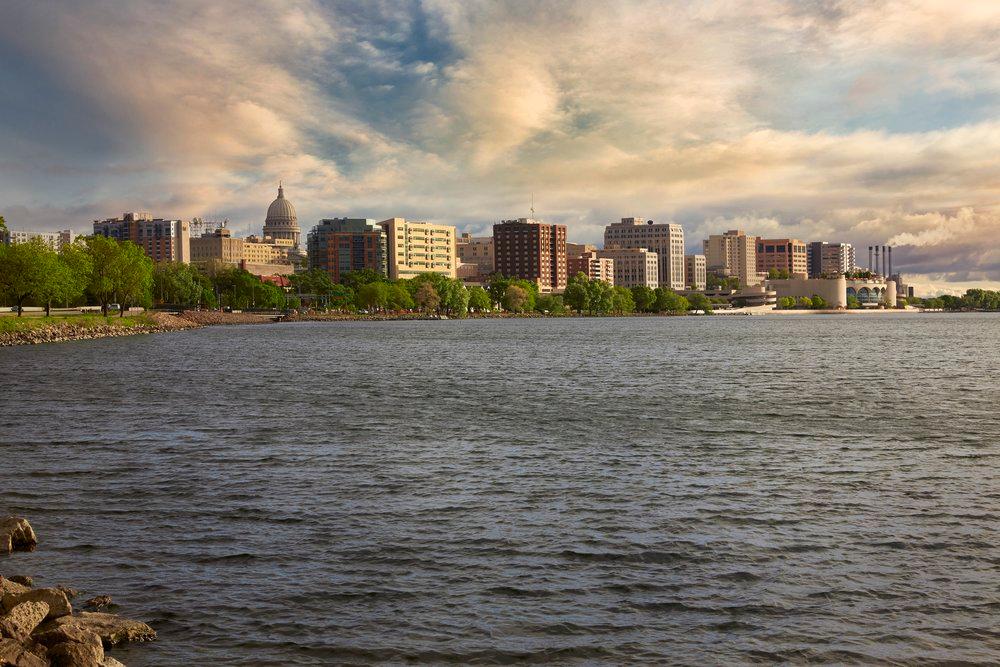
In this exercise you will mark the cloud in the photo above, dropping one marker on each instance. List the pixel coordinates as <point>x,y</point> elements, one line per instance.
<point>847,121</point>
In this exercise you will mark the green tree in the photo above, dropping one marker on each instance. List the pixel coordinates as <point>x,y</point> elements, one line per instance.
<point>778,274</point>
<point>400,298</point>
<point>25,270</point>
<point>701,302</point>
<point>341,297</point>
<point>818,302</point>
<point>787,302</point>
<point>479,299</point>
<point>644,298</point>
<point>454,297</point>
<point>576,295</point>
<point>355,279</point>
<point>373,296</point>
<point>805,302</point>
<point>600,297</point>
<point>622,302</point>
<point>668,301</point>
<point>177,284</point>
<point>515,299</point>
<point>133,277</point>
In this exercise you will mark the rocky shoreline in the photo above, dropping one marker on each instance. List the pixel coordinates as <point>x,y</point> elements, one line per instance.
<point>38,627</point>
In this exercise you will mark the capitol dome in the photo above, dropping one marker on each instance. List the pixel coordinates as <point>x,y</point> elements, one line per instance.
<point>281,221</point>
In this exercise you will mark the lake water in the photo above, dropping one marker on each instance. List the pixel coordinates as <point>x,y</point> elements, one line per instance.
<point>669,490</point>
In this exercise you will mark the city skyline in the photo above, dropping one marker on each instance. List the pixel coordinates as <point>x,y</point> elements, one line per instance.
<point>871,125</point>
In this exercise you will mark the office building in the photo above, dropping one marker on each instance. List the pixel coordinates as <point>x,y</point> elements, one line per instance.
<point>259,256</point>
<point>163,240</point>
<point>531,250</point>
<point>415,247</point>
<point>475,252</point>
<point>695,273</point>
<point>733,254</point>
<point>664,239</point>
<point>782,255</point>
<point>633,266</point>
<point>339,245</point>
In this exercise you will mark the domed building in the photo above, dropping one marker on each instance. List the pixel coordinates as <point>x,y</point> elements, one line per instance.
<point>281,221</point>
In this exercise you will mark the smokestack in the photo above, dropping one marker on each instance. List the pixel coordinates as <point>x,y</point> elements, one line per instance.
<point>883,262</point>
<point>890,262</point>
<point>877,272</point>
<point>869,258</point>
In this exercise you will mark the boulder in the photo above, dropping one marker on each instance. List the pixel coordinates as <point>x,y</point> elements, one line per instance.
<point>70,592</point>
<point>29,659</point>
<point>66,633</point>
<point>10,649</point>
<point>111,662</point>
<point>75,654</point>
<point>56,600</point>
<point>111,628</point>
<point>22,620</point>
<point>100,602</point>
<point>8,586</point>
<point>16,534</point>
<point>23,579</point>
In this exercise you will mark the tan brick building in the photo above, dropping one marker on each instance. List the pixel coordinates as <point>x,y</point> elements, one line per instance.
<point>414,247</point>
<point>633,266</point>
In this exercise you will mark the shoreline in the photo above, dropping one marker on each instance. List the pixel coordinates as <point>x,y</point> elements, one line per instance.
<point>163,322</point>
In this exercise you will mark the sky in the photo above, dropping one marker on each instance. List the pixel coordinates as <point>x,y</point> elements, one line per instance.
<point>865,122</point>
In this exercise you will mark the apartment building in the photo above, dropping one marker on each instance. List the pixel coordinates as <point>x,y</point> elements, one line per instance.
<point>829,259</point>
<point>163,240</point>
<point>591,264</point>
<point>733,254</point>
<point>664,239</point>
<point>531,250</point>
<point>419,247</point>
<point>54,240</point>
<point>339,245</point>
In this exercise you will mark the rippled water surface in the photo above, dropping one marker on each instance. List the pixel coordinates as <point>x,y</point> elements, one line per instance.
<point>669,490</point>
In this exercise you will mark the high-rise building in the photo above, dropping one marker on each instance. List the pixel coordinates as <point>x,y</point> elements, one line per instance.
<point>733,254</point>
<point>418,247</point>
<point>664,239</point>
<point>591,264</point>
<point>54,240</point>
<point>829,259</point>
<point>339,245</point>
<point>163,240</point>
<point>633,266</point>
<point>782,255</point>
<point>531,250</point>
<point>281,221</point>
<point>695,274</point>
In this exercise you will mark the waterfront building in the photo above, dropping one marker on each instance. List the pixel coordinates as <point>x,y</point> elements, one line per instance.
<point>633,266</point>
<point>835,291</point>
<point>339,245</point>
<point>419,247</point>
<point>829,259</point>
<point>475,252</point>
<point>163,240</point>
<point>666,240</point>
<point>281,221</point>
<point>733,254</point>
<point>695,272</point>
<point>217,246</point>
<point>262,257</point>
<point>782,255</point>
<point>531,250</point>
<point>591,264</point>
<point>54,240</point>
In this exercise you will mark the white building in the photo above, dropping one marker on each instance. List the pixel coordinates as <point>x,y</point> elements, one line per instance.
<point>55,240</point>
<point>633,266</point>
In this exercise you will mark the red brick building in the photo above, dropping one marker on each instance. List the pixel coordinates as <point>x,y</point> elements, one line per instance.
<point>531,250</point>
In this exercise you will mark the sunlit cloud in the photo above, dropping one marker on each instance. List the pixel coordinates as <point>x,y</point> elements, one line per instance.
<point>860,122</point>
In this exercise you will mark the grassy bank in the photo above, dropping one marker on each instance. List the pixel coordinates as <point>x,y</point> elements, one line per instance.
<point>22,324</point>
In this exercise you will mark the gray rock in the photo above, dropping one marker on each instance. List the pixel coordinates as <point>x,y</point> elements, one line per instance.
<point>111,628</point>
<point>22,620</point>
<point>16,534</point>
<point>56,600</point>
